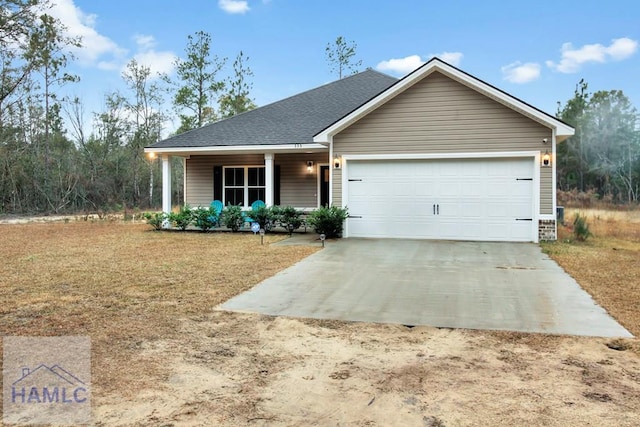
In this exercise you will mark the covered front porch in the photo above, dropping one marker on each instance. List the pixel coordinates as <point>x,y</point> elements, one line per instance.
<point>299,176</point>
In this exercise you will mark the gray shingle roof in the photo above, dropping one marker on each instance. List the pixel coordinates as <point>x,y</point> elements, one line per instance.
<point>293,120</point>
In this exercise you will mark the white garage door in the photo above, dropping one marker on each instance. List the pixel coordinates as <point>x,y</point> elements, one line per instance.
<point>475,199</point>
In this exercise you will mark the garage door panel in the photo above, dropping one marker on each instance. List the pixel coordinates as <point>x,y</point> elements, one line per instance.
<point>472,188</point>
<point>477,199</point>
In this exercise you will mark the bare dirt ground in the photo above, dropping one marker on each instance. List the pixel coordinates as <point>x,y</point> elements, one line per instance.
<point>162,355</point>
<point>239,369</point>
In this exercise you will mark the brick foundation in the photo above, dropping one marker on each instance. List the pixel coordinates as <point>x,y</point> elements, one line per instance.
<point>547,229</point>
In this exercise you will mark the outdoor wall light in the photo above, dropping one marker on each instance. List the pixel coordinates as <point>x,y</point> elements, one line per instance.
<point>546,159</point>
<point>309,166</point>
<point>336,162</point>
<point>545,140</point>
<point>152,155</point>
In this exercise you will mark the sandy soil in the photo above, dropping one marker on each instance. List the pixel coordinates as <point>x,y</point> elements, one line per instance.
<point>234,369</point>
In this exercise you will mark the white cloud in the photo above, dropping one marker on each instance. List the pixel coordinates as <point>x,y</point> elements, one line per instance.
<point>622,48</point>
<point>80,24</point>
<point>102,52</point>
<point>144,42</point>
<point>401,65</point>
<point>572,59</point>
<point>233,6</point>
<point>518,72</point>
<point>409,63</point>
<point>453,58</point>
<point>158,62</point>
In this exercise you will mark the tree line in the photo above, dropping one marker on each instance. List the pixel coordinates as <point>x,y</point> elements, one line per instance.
<point>50,162</point>
<point>603,157</point>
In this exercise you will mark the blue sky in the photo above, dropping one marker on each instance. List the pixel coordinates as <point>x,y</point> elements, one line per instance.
<point>536,51</point>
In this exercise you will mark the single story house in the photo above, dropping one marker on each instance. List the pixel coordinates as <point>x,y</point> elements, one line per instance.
<point>438,154</point>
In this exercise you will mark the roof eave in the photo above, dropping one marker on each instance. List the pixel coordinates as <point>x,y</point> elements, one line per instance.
<point>237,149</point>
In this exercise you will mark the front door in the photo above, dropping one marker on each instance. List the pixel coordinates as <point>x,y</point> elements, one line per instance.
<point>324,185</point>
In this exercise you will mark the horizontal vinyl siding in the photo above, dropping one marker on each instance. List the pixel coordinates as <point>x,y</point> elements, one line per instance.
<point>298,187</point>
<point>546,190</point>
<point>440,115</point>
<point>199,173</point>
<point>337,187</point>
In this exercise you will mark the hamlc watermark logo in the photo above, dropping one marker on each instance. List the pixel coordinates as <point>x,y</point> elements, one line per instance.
<point>46,380</point>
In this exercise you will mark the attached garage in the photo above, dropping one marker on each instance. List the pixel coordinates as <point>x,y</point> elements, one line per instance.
<point>444,155</point>
<point>452,199</point>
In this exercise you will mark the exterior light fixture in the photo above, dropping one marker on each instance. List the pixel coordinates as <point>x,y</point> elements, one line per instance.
<point>546,159</point>
<point>322,239</point>
<point>336,162</point>
<point>309,166</point>
<point>152,155</point>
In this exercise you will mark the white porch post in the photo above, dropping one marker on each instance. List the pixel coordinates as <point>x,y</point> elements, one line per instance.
<point>166,186</point>
<point>268,176</point>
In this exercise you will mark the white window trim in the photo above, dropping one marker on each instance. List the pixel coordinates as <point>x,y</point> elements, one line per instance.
<point>245,185</point>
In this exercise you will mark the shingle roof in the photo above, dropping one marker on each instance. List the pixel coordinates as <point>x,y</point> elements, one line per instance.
<point>293,120</point>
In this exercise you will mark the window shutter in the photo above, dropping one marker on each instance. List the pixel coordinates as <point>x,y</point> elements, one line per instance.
<point>276,185</point>
<point>217,183</point>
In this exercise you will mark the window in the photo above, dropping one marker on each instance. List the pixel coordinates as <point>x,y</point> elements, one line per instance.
<point>243,185</point>
<point>234,186</point>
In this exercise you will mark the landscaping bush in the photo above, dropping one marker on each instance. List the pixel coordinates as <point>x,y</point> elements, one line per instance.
<point>289,218</point>
<point>155,219</point>
<point>263,216</point>
<point>328,221</point>
<point>181,219</point>
<point>232,217</point>
<point>205,219</point>
<point>581,228</point>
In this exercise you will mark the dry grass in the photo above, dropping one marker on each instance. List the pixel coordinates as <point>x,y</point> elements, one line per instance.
<point>609,224</point>
<point>162,356</point>
<point>124,286</point>
<point>608,264</point>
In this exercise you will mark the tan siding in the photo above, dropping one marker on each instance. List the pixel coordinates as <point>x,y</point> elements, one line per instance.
<point>546,190</point>
<point>297,187</point>
<point>440,115</point>
<point>337,187</point>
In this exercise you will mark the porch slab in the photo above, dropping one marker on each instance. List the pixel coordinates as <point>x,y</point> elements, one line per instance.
<point>473,285</point>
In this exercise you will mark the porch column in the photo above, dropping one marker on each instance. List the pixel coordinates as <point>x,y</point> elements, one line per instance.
<point>166,187</point>
<point>268,176</point>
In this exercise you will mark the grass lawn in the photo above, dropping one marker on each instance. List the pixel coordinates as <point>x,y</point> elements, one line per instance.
<point>124,285</point>
<point>162,356</point>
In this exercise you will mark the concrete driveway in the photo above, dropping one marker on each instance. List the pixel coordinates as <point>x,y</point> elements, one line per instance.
<point>475,285</point>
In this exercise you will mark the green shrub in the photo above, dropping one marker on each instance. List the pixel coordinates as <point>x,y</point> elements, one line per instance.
<point>205,219</point>
<point>581,228</point>
<point>155,219</point>
<point>328,221</point>
<point>183,218</point>
<point>263,216</point>
<point>289,218</point>
<point>232,217</point>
